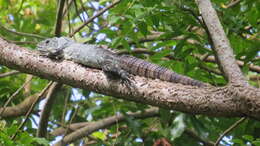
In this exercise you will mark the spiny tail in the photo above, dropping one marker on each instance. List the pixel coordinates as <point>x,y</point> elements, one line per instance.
<point>146,69</point>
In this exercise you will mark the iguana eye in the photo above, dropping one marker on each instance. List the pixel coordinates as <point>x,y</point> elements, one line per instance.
<point>47,41</point>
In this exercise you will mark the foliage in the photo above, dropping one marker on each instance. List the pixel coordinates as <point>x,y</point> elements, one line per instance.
<point>22,138</point>
<point>124,27</point>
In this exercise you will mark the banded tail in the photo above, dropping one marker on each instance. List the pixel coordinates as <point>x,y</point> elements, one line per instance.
<point>143,68</point>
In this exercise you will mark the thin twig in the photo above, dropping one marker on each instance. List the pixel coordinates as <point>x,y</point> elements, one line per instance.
<point>232,3</point>
<point>13,95</point>
<point>252,67</point>
<point>30,110</point>
<point>83,8</point>
<point>27,88</point>
<point>21,6</point>
<point>83,19</point>
<point>194,15</point>
<point>18,42</point>
<point>73,116</point>
<point>77,12</point>
<point>68,15</point>
<point>21,43</point>
<point>9,74</point>
<point>254,77</point>
<point>93,17</point>
<point>66,100</point>
<point>23,33</point>
<point>194,135</point>
<point>229,129</point>
<point>217,72</point>
<point>66,9</point>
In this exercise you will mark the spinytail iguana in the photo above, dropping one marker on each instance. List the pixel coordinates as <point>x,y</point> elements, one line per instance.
<point>111,63</point>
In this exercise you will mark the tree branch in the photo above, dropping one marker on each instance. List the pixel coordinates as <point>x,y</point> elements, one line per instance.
<point>9,74</point>
<point>13,95</point>
<point>252,67</point>
<point>58,25</point>
<point>224,52</point>
<point>44,118</point>
<point>198,138</point>
<point>27,87</point>
<point>20,109</point>
<point>229,101</point>
<point>94,126</point>
<point>93,17</point>
<point>229,129</point>
<point>23,33</point>
<point>28,113</point>
<point>232,3</point>
<point>72,127</point>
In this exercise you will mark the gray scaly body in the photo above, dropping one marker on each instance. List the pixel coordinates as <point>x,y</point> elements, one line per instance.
<point>109,62</point>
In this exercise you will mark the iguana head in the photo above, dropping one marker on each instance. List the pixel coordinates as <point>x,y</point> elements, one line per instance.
<point>53,47</point>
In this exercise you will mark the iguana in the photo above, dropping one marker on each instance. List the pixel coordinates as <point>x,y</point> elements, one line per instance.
<point>118,65</point>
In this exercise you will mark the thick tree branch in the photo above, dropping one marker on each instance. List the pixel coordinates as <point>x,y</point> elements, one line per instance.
<point>224,52</point>
<point>229,101</point>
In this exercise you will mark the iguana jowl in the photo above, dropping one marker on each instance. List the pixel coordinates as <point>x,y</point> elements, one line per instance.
<point>98,57</point>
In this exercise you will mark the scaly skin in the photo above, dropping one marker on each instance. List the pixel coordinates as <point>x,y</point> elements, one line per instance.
<point>111,63</point>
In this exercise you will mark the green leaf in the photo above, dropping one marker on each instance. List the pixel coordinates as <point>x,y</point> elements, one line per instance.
<point>113,20</point>
<point>158,55</point>
<point>238,141</point>
<point>25,138</point>
<point>165,117</point>
<point>248,137</point>
<point>178,126</point>
<point>256,143</point>
<point>99,135</point>
<point>41,141</point>
<point>143,28</point>
<point>178,48</point>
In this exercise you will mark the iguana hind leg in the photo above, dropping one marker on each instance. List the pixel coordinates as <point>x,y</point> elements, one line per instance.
<point>114,71</point>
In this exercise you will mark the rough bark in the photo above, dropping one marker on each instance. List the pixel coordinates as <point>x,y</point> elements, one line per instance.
<point>229,101</point>
<point>224,52</point>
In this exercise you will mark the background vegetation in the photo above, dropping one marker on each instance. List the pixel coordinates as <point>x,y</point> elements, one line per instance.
<point>166,32</point>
